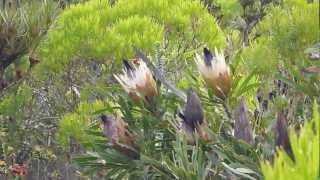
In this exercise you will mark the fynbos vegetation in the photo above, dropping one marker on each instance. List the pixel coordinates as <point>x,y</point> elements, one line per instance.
<point>158,89</point>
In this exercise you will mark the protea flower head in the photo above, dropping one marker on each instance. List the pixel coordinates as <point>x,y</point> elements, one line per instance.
<point>215,72</point>
<point>110,128</point>
<point>116,130</point>
<point>193,118</point>
<point>137,80</point>
<point>282,137</point>
<point>242,128</point>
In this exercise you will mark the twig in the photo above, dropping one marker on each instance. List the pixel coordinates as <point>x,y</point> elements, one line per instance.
<point>159,76</point>
<point>248,30</point>
<point>226,109</point>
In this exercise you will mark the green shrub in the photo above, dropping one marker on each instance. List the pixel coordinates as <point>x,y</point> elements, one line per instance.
<point>283,35</point>
<point>13,104</point>
<point>97,30</point>
<point>292,29</point>
<point>73,125</point>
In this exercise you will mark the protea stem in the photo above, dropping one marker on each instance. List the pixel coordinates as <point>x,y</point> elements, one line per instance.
<point>226,109</point>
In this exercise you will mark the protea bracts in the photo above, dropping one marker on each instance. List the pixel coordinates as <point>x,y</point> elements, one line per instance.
<point>193,118</point>
<point>137,80</point>
<point>121,139</point>
<point>282,137</point>
<point>242,129</point>
<point>215,72</point>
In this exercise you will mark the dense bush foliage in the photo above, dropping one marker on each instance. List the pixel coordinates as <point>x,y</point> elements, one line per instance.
<point>106,32</point>
<point>210,89</point>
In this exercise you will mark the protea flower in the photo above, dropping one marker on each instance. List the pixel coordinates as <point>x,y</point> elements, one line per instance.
<point>215,72</point>
<point>193,118</point>
<point>137,80</point>
<point>242,128</point>
<point>282,137</point>
<point>116,130</point>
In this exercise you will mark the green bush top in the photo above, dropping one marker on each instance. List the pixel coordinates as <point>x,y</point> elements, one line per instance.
<point>97,30</point>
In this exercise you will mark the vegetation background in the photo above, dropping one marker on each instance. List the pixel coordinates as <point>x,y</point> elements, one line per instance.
<point>64,113</point>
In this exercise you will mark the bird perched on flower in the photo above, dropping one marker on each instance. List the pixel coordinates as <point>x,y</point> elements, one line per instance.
<point>116,130</point>
<point>215,72</point>
<point>137,80</point>
<point>193,118</point>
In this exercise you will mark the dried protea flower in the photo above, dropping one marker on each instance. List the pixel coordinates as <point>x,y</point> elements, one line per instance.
<point>193,118</point>
<point>120,137</point>
<point>242,129</point>
<point>137,80</point>
<point>282,137</point>
<point>215,72</point>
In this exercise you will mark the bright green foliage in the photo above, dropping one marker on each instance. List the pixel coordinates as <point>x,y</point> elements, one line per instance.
<point>285,33</point>
<point>305,146</point>
<point>230,9</point>
<point>266,57</point>
<point>13,104</point>
<point>298,25</point>
<point>73,125</point>
<point>184,167</point>
<point>97,30</point>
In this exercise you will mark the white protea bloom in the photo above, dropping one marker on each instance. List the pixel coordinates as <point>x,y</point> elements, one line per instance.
<point>215,72</point>
<point>137,80</point>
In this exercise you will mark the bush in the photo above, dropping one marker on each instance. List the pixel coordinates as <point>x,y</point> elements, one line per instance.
<point>97,30</point>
